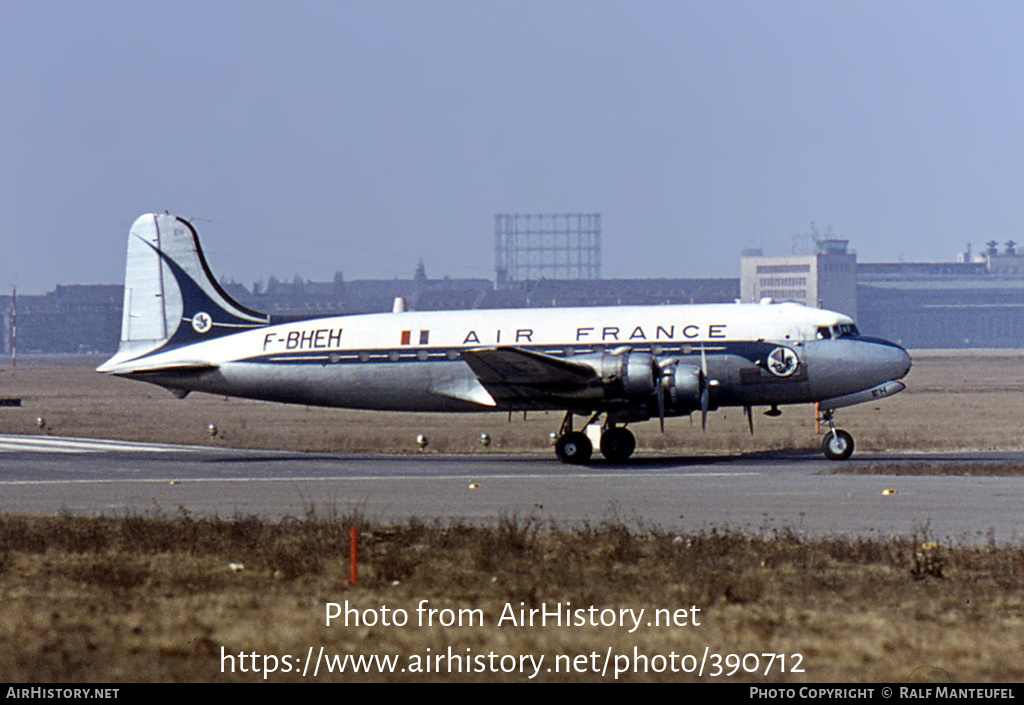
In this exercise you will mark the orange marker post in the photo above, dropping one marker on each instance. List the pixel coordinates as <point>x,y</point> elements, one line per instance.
<point>352,553</point>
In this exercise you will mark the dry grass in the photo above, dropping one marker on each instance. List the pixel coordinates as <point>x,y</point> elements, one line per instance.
<point>154,599</point>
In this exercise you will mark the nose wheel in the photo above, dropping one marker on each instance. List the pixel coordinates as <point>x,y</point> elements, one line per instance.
<point>837,444</point>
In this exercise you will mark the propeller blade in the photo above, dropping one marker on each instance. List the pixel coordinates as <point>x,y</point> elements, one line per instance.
<point>664,370</point>
<point>661,404</point>
<point>704,393</point>
<point>749,413</point>
<point>702,382</point>
<point>704,400</point>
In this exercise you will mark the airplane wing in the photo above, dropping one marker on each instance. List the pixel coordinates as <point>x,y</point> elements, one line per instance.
<point>514,374</point>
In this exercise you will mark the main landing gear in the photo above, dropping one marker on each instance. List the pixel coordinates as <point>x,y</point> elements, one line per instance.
<point>838,444</point>
<point>617,442</point>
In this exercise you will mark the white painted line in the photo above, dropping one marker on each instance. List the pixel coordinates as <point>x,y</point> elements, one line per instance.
<point>333,478</point>
<point>25,446</point>
<point>58,444</point>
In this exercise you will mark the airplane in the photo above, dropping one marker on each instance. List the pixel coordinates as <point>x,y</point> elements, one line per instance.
<point>182,331</point>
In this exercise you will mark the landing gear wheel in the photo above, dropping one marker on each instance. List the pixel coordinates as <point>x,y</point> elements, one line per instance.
<point>574,447</point>
<point>617,444</point>
<point>838,445</point>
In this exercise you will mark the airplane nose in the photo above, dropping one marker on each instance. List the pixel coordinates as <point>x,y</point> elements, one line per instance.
<point>890,360</point>
<point>903,362</point>
<point>854,364</point>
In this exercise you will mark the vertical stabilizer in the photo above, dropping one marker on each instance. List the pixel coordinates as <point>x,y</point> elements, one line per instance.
<point>170,296</point>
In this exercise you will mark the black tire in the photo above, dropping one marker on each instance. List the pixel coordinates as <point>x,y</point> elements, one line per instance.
<point>574,448</point>
<point>617,444</point>
<point>838,445</point>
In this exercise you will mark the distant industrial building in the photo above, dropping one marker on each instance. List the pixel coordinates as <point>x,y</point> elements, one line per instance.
<point>975,301</point>
<point>70,319</point>
<point>947,305</point>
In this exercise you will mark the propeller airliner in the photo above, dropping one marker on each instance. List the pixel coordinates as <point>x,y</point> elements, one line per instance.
<point>614,366</point>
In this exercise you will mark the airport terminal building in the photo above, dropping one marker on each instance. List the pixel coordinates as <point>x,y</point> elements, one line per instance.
<point>974,302</point>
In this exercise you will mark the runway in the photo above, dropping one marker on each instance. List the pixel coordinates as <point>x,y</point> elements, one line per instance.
<point>760,493</point>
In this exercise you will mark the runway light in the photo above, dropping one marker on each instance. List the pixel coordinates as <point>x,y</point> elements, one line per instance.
<point>41,423</point>
<point>422,441</point>
<point>212,430</point>
<point>474,485</point>
<point>553,438</point>
<point>485,439</point>
<point>889,492</point>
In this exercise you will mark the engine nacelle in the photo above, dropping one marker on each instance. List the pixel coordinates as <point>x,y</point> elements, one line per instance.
<point>639,377</point>
<point>629,375</point>
<point>684,387</point>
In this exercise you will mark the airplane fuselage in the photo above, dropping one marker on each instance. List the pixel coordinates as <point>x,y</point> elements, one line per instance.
<point>413,361</point>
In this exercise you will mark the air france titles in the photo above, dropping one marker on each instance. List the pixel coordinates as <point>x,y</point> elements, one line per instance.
<point>608,334</point>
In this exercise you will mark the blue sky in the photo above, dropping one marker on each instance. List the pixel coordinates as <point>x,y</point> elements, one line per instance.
<point>361,136</point>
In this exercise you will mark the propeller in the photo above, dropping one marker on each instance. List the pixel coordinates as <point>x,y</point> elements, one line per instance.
<point>703,385</point>
<point>666,373</point>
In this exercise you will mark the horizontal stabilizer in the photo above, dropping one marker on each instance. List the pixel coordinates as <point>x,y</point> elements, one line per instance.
<point>145,366</point>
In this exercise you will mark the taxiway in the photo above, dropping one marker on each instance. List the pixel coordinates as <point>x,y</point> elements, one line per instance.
<point>761,492</point>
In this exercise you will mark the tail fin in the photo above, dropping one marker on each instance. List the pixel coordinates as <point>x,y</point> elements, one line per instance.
<point>170,296</point>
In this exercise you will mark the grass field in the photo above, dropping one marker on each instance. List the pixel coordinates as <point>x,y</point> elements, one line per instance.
<point>144,599</point>
<point>963,400</point>
<point>194,599</point>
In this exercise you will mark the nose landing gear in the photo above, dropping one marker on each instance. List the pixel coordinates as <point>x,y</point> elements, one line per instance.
<point>837,444</point>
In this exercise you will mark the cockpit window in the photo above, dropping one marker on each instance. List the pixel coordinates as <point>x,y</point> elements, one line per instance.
<point>846,330</point>
<point>824,333</point>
